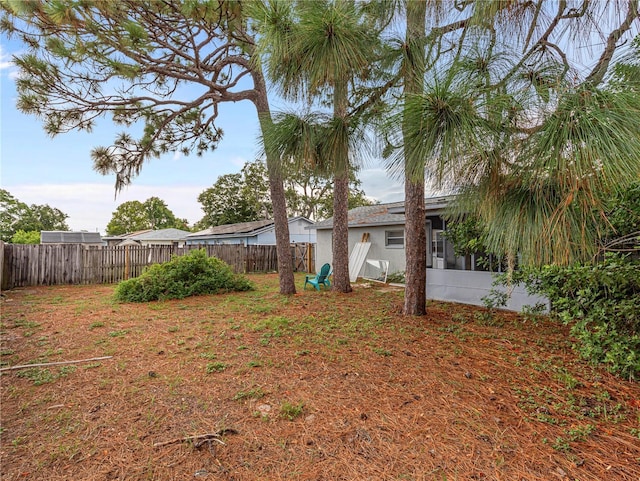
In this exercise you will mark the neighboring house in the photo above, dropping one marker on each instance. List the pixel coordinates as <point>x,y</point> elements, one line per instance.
<point>114,240</point>
<point>149,237</point>
<point>449,277</point>
<point>67,237</point>
<point>161,237</point>
<point>260,232</point>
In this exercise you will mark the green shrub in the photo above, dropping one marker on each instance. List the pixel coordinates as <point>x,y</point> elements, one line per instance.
<point>602,303</point>
<point>183,276</point>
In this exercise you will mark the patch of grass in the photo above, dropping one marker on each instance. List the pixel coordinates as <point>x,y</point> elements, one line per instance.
<point>173,329</point>
<point>26,324</point>
<point>208,355</point>
<point>254,393</point>
<point>119,333</point>
<point>382,352</point>
<point>95,325</point>
<point>37,375</point>
<point>254,363</point>
<point>215,367</point>
<point>291,411</point>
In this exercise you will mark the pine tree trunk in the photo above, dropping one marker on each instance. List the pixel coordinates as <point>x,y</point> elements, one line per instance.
<point>276,187</point>
<point>340,247</point>
<point>415,294</point>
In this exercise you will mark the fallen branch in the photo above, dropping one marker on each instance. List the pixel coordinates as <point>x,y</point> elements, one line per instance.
<point>201,438</point>
<point>25,366</point>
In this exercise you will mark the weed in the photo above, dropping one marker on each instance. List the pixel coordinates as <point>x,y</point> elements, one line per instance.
<point>291,411</point>
<point>95,325</point>
<point>66,370</point>
<point>254,363</point>
<point>7,352</point>
<point>173,329</point>
<point>208,355</point>
<point>567,379</point>
<point>216,367</point>
<point>561,444</point>
<point>580,433</point>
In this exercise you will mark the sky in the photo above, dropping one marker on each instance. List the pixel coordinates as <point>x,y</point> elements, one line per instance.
<point>38,169</point>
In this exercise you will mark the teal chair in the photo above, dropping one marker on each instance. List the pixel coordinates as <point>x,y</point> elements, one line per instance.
<point>320,279</point>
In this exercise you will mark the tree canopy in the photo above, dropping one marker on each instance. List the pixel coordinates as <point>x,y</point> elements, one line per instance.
<point>134,215</point>
<point>245,197</point>
<point>17,216</point>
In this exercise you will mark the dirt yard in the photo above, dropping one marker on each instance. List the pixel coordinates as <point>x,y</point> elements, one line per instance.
<point>317,386</point>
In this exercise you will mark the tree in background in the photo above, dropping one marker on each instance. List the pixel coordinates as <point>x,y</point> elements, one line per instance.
<point>22,237</point>
<point>245,197</point>
<point>126,61</point>
<point>16,216</point>
<point>229,201</point>
<point>134,215</point>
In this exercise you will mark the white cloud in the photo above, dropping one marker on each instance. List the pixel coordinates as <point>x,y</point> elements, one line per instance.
<point>91,205</point>
<point>5,60</point>
<point>377,184</point>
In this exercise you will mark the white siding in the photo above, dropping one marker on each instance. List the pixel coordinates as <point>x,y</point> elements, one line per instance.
<point>378,250</point>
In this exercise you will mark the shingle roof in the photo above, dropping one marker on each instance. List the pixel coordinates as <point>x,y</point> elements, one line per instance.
<point>384,214</point>
<point>240,228</point>
<point>161,234</point>
<point>65,237</point>
<point>369,215</point>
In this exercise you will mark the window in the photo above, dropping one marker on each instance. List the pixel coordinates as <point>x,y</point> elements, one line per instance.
<point>394,238</point>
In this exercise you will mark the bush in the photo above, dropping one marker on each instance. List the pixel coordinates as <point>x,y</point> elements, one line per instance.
<point>602,303</point>
<point>189,275</point>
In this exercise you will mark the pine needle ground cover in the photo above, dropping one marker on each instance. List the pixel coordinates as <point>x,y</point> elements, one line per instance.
<point>316,386</point>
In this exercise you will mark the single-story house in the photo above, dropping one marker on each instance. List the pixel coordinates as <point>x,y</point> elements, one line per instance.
<point>68,237</point>
<point>260,232</point>
<point>149,237</point>
<point>114,240</point>
<point>449,277</point>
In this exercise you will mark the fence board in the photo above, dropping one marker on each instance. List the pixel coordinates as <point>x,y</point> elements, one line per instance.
<point>49,264</point>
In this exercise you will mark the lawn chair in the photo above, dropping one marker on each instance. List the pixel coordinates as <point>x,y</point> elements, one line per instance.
<point>320,279</point>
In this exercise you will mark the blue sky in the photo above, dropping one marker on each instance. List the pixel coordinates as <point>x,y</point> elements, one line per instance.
<point>38,169</point>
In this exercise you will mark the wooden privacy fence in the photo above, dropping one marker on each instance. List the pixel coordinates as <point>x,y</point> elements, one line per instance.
<point>35,265</point>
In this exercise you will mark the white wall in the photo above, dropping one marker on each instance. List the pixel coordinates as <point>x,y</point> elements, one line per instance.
<point>297,233</point>
<point>395,256</point>
<point>469,287</point>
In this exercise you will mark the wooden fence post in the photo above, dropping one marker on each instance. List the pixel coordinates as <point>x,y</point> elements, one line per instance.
<point>126,262</point>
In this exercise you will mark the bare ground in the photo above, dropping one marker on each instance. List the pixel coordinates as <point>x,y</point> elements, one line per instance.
<point>316,386</point>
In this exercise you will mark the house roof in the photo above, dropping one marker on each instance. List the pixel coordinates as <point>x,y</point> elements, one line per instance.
<point>65,237</point>
<point>127,235</point>
<point>385,214</point>
<point>160,235</point>
<point>242,229</point>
